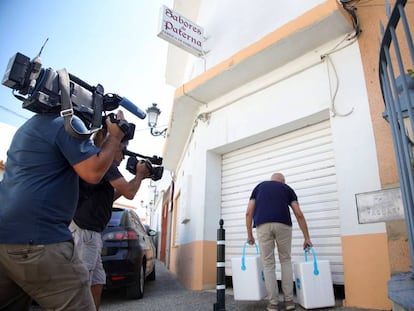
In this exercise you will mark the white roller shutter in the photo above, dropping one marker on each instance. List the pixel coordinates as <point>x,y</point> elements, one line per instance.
<point>306,158</point>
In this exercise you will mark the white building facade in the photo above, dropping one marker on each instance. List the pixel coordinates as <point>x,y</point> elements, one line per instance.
<point>281,87</point>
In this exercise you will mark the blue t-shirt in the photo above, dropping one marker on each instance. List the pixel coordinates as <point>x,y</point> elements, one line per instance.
<point>39,190</point>
<point>272,201</point>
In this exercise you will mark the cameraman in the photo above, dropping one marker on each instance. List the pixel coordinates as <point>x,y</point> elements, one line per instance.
<point>94,212</point>
<point>38,198</point>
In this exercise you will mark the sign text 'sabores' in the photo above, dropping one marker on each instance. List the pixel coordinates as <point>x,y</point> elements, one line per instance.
<point>181,32</point>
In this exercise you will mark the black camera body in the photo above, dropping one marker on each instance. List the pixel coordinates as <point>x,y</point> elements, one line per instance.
<point>126,127</point>
<point>153,164</point>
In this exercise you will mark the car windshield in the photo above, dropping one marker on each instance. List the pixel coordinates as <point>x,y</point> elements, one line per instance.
<point>116,218</point>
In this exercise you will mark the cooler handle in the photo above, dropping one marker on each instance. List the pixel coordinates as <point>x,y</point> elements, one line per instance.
<point>315,263</point>
<point>243,266</point>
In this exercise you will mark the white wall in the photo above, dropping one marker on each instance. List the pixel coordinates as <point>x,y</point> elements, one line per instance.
<point>230,26</point>
<point>7,131</point>
<point>279,106</point>
<point>235,24</point>
<point>354,143</point>
<point>290,97</point>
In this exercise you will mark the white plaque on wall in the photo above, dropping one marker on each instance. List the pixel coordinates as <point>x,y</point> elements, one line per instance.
<point>379,206</point>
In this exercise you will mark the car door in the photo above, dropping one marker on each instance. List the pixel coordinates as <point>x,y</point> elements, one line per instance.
<point>146,242</point>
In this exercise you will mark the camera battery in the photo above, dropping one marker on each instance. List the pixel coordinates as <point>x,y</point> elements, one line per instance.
<point>15,74</point>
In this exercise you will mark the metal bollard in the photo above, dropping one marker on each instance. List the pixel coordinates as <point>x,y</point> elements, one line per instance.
<point>220,305</point>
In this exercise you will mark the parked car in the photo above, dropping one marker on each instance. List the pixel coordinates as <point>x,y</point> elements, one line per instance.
<point>128,253</point>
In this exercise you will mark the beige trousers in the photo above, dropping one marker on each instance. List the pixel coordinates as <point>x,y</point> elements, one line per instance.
<point>269,235</point>
<point>51,274</point>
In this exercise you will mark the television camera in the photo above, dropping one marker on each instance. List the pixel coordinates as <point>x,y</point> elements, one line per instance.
<point>48,91</point>
<point>82,106</point>
<point>153,164</point>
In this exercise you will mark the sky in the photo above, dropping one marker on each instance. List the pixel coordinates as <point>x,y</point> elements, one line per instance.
<point>109,42</point>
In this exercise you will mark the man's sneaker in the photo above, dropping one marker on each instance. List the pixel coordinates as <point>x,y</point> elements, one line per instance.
<point>272,307</point>
<point>290,305</point>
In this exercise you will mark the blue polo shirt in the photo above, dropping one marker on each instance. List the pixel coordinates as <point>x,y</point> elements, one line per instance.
<point>272,201</point>
<point>39,190</point>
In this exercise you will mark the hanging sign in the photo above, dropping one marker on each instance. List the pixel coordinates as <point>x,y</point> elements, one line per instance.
<point>181,32</point>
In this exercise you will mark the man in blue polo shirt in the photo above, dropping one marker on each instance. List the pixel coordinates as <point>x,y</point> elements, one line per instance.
<point>38,198</point>
<point>268,210</point>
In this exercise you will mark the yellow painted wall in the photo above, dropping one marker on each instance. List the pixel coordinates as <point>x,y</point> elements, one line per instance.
<point>398,248</point>
<point>370,17</point>
<point>366,271</point>
<point>195,264</point>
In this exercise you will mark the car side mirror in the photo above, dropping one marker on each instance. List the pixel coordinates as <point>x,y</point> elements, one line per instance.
<point>152,232</point>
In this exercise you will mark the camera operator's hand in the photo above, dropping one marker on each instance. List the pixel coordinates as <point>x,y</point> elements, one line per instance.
<point>142,169</point>
<point>130,188</point>
<point>113,129</point>
<point>94,168</point>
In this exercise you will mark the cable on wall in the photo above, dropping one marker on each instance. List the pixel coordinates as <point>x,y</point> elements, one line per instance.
<point>330,65</point>
<point>351,10</point>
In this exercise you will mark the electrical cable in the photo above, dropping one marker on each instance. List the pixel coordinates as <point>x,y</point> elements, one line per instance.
<point>14,112</point>
<point>333,95</point>
<point>329,63</point>
<point>350,9</point>
<point>352,37</point>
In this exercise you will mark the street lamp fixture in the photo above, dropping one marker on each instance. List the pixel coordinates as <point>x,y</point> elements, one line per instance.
<point>153,112</point>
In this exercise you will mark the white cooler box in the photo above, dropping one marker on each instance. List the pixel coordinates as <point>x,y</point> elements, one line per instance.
<point>313,281</point>
<point>248,277</point>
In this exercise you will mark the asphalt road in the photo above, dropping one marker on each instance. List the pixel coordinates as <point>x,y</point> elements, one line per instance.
<point>167,293</point>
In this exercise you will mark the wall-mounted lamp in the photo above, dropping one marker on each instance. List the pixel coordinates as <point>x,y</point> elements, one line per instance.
<point>153,112</point>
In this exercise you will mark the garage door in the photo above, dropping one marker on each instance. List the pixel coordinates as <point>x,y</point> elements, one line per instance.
<point>306,158</point>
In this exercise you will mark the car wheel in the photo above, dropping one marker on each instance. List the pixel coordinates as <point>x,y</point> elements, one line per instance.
<point>136,291</point>
<point>151,276</point>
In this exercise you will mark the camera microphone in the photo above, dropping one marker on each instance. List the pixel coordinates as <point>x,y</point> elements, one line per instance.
<point>128,105</point>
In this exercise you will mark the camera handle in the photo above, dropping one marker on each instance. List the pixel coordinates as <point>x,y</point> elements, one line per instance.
<point>154,159</point>
<point>122,124</point>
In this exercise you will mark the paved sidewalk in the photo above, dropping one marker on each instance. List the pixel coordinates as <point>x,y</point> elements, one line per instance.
<point>167,293</point>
